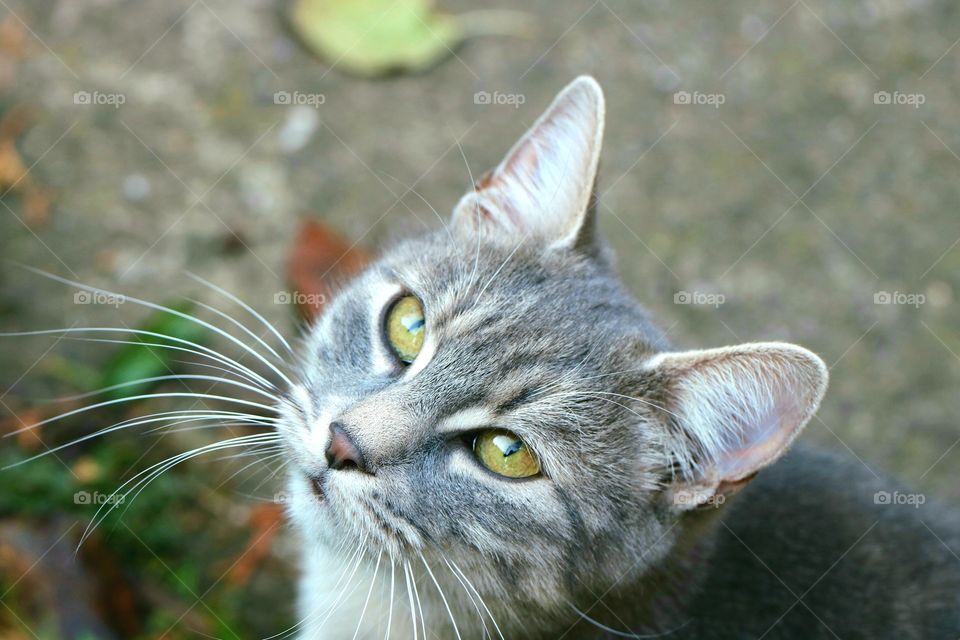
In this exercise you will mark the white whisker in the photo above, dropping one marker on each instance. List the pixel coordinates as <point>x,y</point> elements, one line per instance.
<point>413,611</point>
<point>205,351</point>
<point>172,394</point>
<point>442,597</point>
<point>483,621</point>
<point>165,465</point>
<point>159,307</point>
<point>245,307</point>
<point>131,383</point>
<point>196,414</point>
<point>390,614</point>
<point>470,584</point>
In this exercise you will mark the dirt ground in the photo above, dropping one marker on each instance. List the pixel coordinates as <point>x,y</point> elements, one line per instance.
<point>789,169</point>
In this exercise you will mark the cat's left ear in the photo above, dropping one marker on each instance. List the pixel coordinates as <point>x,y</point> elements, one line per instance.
<point>733,411</point>
<point>544,187</point>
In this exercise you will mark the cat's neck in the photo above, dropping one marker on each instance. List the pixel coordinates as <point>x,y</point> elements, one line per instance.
<point>344,596</point>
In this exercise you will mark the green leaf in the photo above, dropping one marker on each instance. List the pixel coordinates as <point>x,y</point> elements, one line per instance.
<point>136,361</point>
<point>376,37</point>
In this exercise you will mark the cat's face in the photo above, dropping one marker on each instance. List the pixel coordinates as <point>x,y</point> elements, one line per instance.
<point>489,395</point>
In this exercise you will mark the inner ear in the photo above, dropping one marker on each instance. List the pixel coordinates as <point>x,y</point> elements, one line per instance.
<point>734,411</point>
<point>544,186</point>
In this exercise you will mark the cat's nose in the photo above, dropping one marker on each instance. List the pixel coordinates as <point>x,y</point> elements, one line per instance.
<point>342,451</point>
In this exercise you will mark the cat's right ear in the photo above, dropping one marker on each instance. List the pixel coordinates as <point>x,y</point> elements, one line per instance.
<point>732,411</point>
<point>544,187</point>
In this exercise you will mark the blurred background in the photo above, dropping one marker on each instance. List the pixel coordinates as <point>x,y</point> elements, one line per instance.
<point>772,171</point>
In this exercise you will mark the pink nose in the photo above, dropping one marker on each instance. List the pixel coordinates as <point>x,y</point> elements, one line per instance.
<point>342,452</point>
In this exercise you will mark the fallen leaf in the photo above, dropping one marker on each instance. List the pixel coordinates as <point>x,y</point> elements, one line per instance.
<point>376,37</point>
<point>320,260</point>
<point>12,38</point>
<point>14,175</point>
<point>12,170</point>
<point>36,205</point>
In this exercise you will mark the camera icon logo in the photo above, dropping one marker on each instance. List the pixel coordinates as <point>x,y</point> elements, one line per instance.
<point>282,297</point>
<point>882,497</point>
<point>881,97</point>
<point>82,497</point>
<point>682,97</point>
<point>282,97</point>
<point>482,97</point>
<point>882,297</point>
<point>82,297</point>
<point>82,97</point>
<point>681,297</point>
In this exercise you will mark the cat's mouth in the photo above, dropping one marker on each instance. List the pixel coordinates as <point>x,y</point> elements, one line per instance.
<point>316,485</point>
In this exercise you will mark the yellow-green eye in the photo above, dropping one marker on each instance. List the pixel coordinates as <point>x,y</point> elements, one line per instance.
<point>405,328</point>
<point>505,454</point>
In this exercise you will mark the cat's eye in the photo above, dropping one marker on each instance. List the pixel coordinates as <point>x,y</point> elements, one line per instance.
<point>505,454</point>
<point>405,327</point>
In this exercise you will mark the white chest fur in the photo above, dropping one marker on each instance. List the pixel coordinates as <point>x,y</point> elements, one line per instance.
<point>343,597</point>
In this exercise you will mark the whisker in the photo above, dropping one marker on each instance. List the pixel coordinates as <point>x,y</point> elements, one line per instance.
<point>483,621</point>
<point>416,592</point>
<point>89,394</point>
<point>390,614</point>
<point>273,474</point>
<point>640,400</point>
<point>159,307</point>
<point>245,307</point>
<point>261,458</point>
<point>198,414</point>
<point>413,611</point>
<point>424,200</point>
<point>599,396</point>
<point>172,394</point>
<point>288,631</point>
<point>623,634</point>
<point>206,351</point>
<point>203,427</point>
<point>343,593</point>
<point>239,325</point>
<point>442,597</point>
<point>163,466</point>
<point>373,581</point>
<point>464,576</point>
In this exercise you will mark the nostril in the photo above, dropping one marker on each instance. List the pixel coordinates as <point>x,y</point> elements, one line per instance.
<point>342,452</point>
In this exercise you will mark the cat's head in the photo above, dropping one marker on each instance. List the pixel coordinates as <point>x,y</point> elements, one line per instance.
<point>489,394</point>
